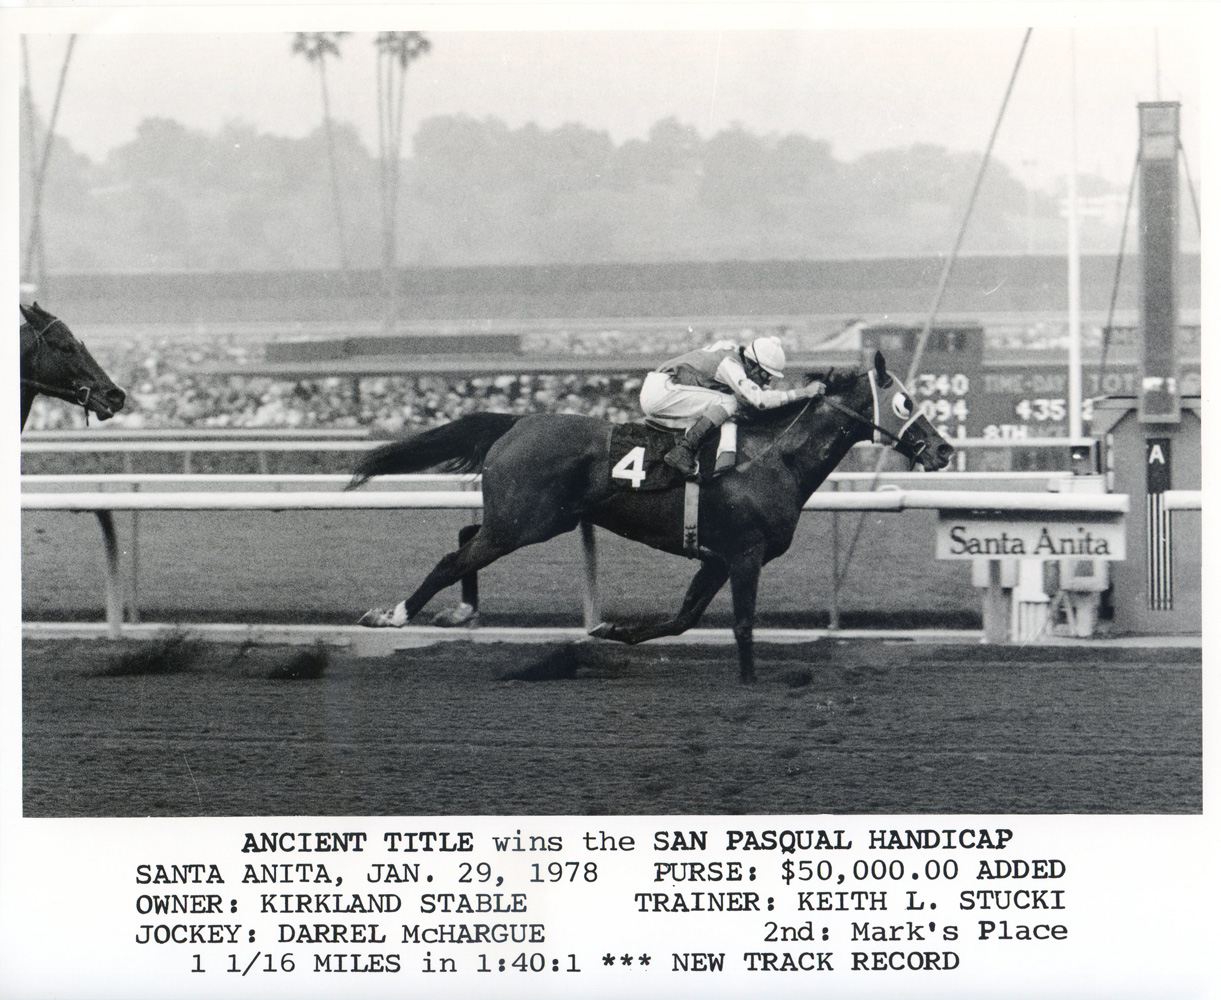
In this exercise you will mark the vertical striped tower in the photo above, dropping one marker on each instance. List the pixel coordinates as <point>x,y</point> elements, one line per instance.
<point>1159,402</point>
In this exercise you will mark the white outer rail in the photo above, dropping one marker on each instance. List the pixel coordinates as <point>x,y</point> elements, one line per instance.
<point>323,479</point>
<point>1183,499</point>
<point>264,446</point>
<point>109,433</point>
<point>106,501</point>
<point>880,500</point>
<point>103,504</point>
<point>197,444</point>
<point>244,442</point>
<point>254,443</point>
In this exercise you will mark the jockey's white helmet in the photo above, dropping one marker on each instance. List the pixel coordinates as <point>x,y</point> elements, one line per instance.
<point>768,354</point>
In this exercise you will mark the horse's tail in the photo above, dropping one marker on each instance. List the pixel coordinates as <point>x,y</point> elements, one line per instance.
<point>459,446</point>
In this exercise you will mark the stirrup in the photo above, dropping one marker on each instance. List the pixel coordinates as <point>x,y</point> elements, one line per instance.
<point>682,458</point>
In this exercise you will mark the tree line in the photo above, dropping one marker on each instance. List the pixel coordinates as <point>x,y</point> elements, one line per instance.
<point>477,191</point>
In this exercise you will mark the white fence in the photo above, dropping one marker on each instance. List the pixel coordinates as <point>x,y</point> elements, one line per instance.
<point>323,480</point>
<point>104,503</point>
<point>109,433</point>
<point>58,442</point>
<point>109,483</point>
<point>189,442</point>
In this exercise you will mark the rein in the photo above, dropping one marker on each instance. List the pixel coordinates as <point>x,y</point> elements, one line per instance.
<point>834,404</point>
<point>860,419</point>
<point>80,396</point>
<point>911,450</point>
<point>777,439</point>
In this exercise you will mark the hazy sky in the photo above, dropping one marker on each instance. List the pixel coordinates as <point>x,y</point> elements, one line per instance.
<point>860,88</point>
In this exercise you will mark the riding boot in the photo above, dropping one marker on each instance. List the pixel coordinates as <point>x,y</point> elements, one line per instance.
<point>727,449</point>
<point>682,455</point>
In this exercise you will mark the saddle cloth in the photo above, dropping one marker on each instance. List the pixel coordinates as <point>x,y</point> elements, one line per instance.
<point>636,452</point>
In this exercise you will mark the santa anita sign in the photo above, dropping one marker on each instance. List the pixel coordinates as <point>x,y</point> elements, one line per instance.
<point>1027,534</point>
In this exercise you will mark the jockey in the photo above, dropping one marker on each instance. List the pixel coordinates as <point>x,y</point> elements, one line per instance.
<point>702,389</point>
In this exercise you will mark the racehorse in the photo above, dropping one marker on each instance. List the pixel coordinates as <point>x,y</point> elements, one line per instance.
<point>55,363</point>
<point>544,474</point>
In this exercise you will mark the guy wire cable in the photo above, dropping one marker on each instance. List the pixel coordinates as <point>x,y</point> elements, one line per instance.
<point>1123,235</point>
<point>1191,188</point>
<point>922,340</point>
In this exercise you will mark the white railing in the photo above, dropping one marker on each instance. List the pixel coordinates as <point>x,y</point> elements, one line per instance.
<point>254,500</point>
<point>104,504</point>
<point>212,481</point>
<point>848,481</point>
<point>52,446</point>
<point>1183,500</point>
<point>108,433</point>
<point>138,480</point>
<point>189,442</point>
<point>882,500</point>
<point>33,444</point>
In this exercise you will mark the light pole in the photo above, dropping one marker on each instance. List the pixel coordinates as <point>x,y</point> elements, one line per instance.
<point>1028,169</point>
<point>1074,258</point>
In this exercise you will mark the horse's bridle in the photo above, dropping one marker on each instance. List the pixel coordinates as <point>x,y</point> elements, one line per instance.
<point>879,432</point>
<point>895,439</point>
<point>82,393</point>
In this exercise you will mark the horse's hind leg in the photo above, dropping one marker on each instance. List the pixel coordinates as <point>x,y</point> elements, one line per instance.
<point>704,586</point>
<point>467,609</point>
<point>479,551</point>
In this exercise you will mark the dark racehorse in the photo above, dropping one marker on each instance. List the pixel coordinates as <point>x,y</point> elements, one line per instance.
<point>545,474</point>
<point>55,363</point>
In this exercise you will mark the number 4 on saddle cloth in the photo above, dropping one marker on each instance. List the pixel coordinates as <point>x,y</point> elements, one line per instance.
<point>636,452</point>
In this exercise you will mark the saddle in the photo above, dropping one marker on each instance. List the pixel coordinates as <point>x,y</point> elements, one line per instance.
<point>636,453</point>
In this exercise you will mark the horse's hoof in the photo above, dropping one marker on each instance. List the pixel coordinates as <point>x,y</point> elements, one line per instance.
<point>461,614</point>
<point>383,618</point>
<point>604,631</point>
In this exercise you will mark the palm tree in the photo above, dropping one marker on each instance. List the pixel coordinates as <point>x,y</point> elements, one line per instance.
<point>316,46</point>
<point>395,51</point>
<point>35,252</point>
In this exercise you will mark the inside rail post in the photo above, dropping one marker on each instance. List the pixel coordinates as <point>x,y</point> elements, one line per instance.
<point>996,607</point>
<point>114,586</point>
<point>833,612</point>
<point>474,485</point>
<point>589,584</point>
<point>133,576</point>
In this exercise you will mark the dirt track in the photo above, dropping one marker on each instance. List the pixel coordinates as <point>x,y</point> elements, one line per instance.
<point>460,729</point>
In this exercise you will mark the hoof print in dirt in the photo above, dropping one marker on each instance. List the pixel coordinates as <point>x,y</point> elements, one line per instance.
<point>307,665</point>
<point>172,654</point>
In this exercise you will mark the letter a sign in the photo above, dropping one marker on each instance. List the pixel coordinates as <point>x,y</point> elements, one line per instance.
<point>1159,568</point>
<point>1157,465</point>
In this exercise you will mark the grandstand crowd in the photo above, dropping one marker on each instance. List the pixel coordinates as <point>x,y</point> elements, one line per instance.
<point>163,392</point>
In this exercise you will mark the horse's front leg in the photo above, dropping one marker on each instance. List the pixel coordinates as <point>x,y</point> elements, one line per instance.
<point>744,585</point>
<point>709,579</point>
